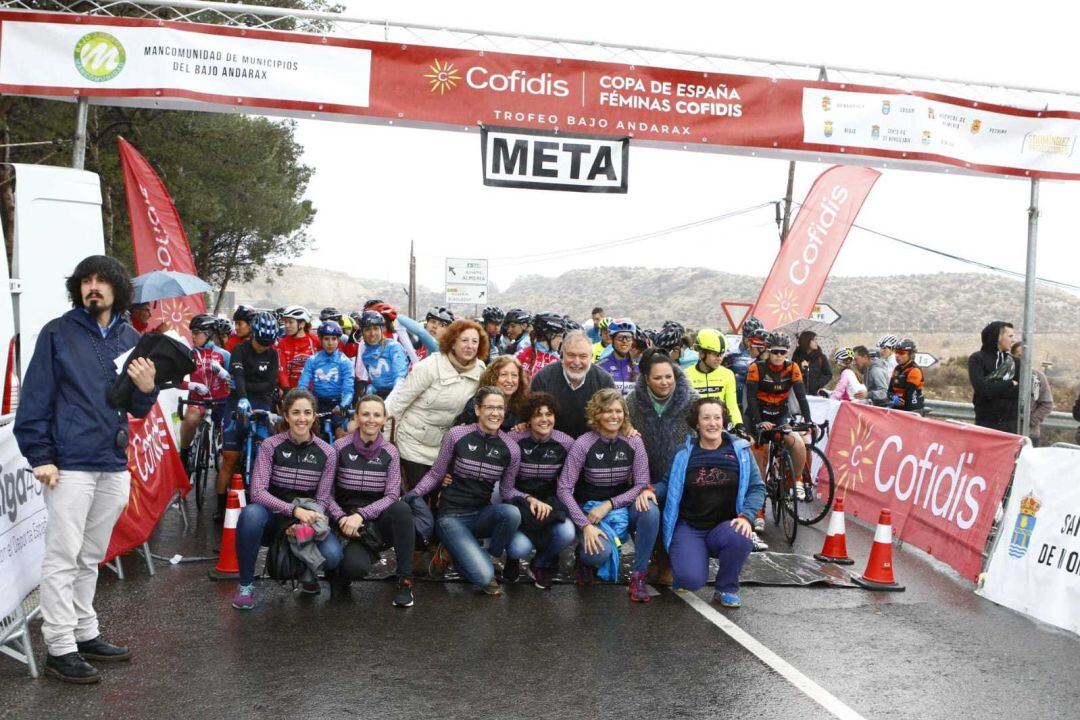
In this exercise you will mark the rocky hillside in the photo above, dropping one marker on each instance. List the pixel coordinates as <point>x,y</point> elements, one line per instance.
<point>911,304</point>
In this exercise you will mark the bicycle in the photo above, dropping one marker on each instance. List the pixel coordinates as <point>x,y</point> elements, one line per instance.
<point>327,419</point>
<point>818,494</point>
<point>206,444</point>
<point>780,482</point>
<point>260,424</point>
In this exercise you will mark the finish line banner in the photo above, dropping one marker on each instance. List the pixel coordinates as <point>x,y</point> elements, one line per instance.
<point>1035,568</point>
<point>546,161</point>
<point>942,481</point>
<point>191,66</point>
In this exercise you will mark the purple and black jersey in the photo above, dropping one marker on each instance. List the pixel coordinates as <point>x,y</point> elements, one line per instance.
<point>541,462</point>
<point>598,468</point>
<point>285,470</point>
<point>476,461</point>
<point>368,477</point>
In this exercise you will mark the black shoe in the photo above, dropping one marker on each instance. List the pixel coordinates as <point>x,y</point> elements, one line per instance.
<point>219,513</point>
<point>71,668</point>
<point>98,649</point>
<point>511,570</point>
<point>404,596</point>
<point>185,458</point>
<point>339,586</point>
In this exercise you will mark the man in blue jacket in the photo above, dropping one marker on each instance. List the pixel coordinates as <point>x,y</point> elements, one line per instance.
<point>77,446</point>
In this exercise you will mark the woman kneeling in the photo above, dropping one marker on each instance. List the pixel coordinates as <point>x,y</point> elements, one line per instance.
<point>714,492</point>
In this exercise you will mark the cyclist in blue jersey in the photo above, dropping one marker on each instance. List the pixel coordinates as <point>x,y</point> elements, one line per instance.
<point>619,364</point>
<point>329,374</point>
<point>383,358</point>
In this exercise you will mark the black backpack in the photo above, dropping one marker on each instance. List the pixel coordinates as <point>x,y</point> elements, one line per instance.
<point>281,563</point>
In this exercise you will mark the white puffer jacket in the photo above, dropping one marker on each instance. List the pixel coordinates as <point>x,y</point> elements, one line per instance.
<point>426,403</point>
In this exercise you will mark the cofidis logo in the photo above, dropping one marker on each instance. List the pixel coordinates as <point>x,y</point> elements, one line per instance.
<point>99,56</point>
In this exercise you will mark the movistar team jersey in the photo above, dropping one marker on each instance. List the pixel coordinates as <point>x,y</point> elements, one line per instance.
<point>329,377</point>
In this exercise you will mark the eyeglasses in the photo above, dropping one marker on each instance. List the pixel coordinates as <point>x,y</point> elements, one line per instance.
<point>778,351</point>
<point>493,409</point>
<point>622,337</point>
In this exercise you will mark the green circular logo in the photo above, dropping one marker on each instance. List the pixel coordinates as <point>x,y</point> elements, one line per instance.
<point>99,56</point>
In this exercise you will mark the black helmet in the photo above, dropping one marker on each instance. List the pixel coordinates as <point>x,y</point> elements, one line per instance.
<point>906,344</point>
<point>673,325</point>
<point>570,323</point>
<point>669,337</point>
<point>224,327</point>
<point>517,315</point>
<point>243,312</point>
<point>441,314</point>
<point>548,325</point>
<point>330,313</point>
<point>493,314</point>
<point>779,339</point>
<point>749,325</point>
<point>203,323</point>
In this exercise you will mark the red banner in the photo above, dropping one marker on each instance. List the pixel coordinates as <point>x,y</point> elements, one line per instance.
<point>942,481</point>
<point>803,263</point>
<point>156,476</point>
<point>158,236</point>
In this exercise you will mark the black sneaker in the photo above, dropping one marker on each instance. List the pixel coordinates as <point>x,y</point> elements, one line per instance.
<point>98,649</point>
<point>541,577</point>
<point>71,668</point>
<point>404,596</point>
<point>511,570</point>
<point>219,512</point>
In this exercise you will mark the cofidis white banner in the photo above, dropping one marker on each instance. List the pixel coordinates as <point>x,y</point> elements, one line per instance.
<point>1035,567</point>
<point>22,525</point>
<point>200,61</point>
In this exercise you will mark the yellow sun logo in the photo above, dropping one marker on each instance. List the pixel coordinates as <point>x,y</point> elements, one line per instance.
<point>856,457</point>
<point>785,307</point>
<point>443,77</point>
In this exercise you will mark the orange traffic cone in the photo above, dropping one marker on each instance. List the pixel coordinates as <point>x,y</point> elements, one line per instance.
<point>835,548</point>
<point>228,568</point>
<point>238,486</point>
<point>879,571</point>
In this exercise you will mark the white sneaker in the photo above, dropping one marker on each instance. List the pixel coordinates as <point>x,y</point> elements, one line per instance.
<point>759,524</point>
<point>759,544</point>
<point>800,490</point>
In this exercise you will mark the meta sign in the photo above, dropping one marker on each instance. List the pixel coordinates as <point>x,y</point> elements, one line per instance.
<point>520,158</point>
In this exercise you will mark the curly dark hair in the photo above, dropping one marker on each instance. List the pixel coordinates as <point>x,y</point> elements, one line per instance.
<point>539,400</point>
<point>108,269</point>
<point>695,410</point>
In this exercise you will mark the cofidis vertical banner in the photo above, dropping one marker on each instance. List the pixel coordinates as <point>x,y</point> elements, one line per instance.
<point>942,481</point>
<point>802,266</point>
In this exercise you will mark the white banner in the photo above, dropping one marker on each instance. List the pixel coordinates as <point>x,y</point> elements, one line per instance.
<point>22,525</point>
<point>1035,568</point>
<point>822,409</point>
<point>520,158</point>
<point>920,126</point>
<point>202,63</point>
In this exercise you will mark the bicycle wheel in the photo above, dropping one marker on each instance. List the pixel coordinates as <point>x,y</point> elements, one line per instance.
<point>789,502</point>
<point>819,491</point>
<point>202,464</point>
<point>772,485</point>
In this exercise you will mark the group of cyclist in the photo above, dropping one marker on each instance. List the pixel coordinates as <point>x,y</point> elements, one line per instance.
<point>474,456</point>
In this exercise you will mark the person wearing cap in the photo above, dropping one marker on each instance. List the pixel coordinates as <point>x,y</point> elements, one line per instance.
<point>77,445</point>
<point>710,378</point>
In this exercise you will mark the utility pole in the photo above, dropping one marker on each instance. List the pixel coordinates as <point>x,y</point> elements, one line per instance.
<point>1027,360</point>
<point>412,280</point>
<point>787,201</point>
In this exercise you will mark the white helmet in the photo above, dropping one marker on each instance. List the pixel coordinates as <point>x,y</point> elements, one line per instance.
<point>297,313</point>
<point>887,342</point>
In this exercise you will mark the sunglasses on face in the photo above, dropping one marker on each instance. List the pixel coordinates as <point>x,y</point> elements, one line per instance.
<point>778,351</point>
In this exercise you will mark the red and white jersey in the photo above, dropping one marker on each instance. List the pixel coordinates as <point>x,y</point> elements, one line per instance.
<point>533,359</point>
<point>204,373</point>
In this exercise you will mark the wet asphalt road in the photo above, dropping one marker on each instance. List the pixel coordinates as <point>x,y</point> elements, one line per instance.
<point>936,650</point>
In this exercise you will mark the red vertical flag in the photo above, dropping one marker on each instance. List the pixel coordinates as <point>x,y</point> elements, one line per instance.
<point>158,236</point>
<point>802,266</point>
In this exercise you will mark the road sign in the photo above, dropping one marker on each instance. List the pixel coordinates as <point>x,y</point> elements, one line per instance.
<point>466,280</point>
<point>736,313</point>
<point>825,314</point>
<point>925,359</point>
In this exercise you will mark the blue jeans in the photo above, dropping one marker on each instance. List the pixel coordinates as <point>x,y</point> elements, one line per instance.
<point>691,548</point>
<point>256,528</point>
<point>644,525</point>
<point>460,534</point>
<point>561,537</point>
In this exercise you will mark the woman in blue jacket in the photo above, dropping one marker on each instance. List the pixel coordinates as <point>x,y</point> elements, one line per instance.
<point>714,492</point>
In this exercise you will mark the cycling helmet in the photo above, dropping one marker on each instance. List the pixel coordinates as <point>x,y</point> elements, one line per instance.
<point>224,327</point>
<point>669,337</point>
<point>710,340</point>
<point>622,325</point>
<point>329,327</point>
<point>645,338</point>
<point>779,339</point>
<point>203,323</point>
<point>441,314</point>
<point>385,309</point>
<point>548,325</point>
<point>373,302</point>
<point>758,337</point>
<point>570,323</point>
<point>674,325</point>
<point>887,342</point>
<point>906,344</point>
<point>493,314</point>
<point>243,312</point>
<point>371,318</point>
<point>605,323</point>
<point>264,328</point>
<point>749,325</point>
<point>517,315</point>
<point>297,313</point>
<point>844,355</point>
<point>329,313</point>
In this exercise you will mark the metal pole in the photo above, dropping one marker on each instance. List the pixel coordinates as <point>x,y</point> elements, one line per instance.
<point>1028,359</point>
<point>787,201</point>
<point>78,151</point>
<point>412,281</point>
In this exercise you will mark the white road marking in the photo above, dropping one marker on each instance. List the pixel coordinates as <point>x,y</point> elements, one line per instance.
<point>808,687</point>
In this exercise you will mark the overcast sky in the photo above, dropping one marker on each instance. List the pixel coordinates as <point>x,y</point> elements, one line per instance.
<point>378,187</point>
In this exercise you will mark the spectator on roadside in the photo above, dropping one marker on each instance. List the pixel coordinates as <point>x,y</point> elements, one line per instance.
<point>850,386</point>
<point>813,363</point>
<point>1042,398</point>
<point>572,381</point>
<point>876,372</point>
<point>594,332</point>
<point>992,372</point>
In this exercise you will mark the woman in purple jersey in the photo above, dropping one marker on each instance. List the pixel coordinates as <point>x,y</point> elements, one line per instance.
<point>605,488</point>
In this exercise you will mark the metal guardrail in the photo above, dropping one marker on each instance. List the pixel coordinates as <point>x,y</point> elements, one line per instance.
<point>966,412</point>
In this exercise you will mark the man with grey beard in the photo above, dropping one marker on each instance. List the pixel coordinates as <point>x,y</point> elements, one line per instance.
<point>572,381</point>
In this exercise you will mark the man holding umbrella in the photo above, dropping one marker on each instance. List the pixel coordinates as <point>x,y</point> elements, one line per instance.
<point>77,445</point>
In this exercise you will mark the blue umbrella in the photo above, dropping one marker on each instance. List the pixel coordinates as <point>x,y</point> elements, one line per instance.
<point>161,284</point>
